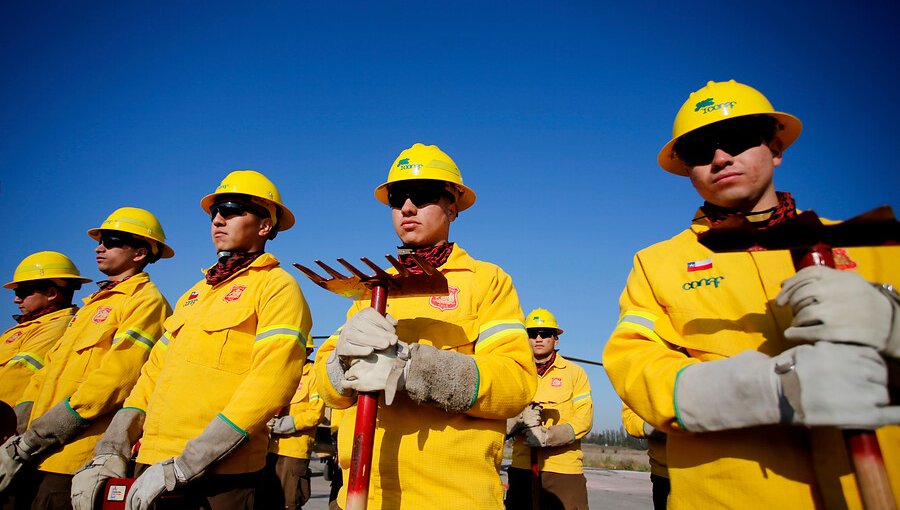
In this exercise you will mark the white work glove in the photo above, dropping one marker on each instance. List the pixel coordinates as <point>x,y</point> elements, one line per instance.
<point>367,331</point>
<point>529,417</point>
<point>88,483</point>
<point>283,425</point>
<point>13,454</point>
<point>840,306</point>
<point>822,384</point>
<point>381,370</point>
<point>158,478</point>
<point>555,435</point>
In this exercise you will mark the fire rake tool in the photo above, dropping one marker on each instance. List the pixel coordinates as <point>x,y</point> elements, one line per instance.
<point>810,242</point>
<point>430,282</point>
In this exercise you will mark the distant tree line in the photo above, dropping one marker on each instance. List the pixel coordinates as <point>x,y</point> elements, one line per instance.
<point>615,437</point>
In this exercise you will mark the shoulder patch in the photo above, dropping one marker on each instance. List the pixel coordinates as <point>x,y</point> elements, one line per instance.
<point>556,382</point>
<point>449,302</point>
<point>13,337</point>
<point>235,293</point>
<point>842,259</point>
<point>101,315</point>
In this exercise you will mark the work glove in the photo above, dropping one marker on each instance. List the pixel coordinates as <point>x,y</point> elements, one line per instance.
<point>651,432</point>
<point>841,307</point>
<point>529,417</point>
<point>55,428</point>
<point>282,425</point>
<point>110,458</point>
<point>88,483</point>
<point>555,435</point>
<point>217,440</point>
<point>367,331</point>
<point>821,384</point>
<point>381,370</point>
<point>23,414</point>
<point>14,453</point>
<point>447,379</point>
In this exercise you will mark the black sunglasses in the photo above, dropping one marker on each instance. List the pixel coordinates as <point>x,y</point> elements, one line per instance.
<point>110,241</point>
<point>420,194</point>
<point>229,209</point>
<point>732,136</point>
<point>541,332</point>
<point>23,291</point>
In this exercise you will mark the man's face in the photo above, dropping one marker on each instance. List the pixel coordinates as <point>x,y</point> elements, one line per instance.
<point>543,341</point>
<point>733,167</point>
<point>421,213</point>
<point>118,253</point>
<point>236,228</point>
<point>32,297</point>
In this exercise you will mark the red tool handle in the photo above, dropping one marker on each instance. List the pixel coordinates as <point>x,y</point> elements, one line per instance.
<point>871,477</point>
<point>364,431</point>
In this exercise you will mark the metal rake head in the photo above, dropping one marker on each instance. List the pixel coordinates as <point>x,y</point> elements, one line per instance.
<point>405,283</point>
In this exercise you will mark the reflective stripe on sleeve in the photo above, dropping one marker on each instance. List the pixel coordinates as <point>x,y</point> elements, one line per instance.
<point>137,336</point>
<point>494,330</point>
<point>164,340</point>
<point>278,332</point>
<point>581,396</point>
<point>30,360</point>
<point>642,322</point>
<point>314,396</point>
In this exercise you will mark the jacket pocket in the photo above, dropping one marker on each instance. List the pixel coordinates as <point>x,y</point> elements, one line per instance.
<point>225,341</point>
<point>458,334</point>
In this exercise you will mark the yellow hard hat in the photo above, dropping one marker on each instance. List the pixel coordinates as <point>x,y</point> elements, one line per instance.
<point>426,162</point>
<point>718,101</point>
<point>309,341</point>
<point>139,222</point>
<point>45,265</point>
<point>542,318</point>
<point>261,192</point>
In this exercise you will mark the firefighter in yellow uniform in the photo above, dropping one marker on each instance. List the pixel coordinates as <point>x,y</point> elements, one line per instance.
<point>453,368</point>
<point>293,435</point>
<point>635,426</point>
<point>231,353</point>
<point>724,352</point>
<point>565,414</point>
<point>96,362</point>
<point>44,284</point>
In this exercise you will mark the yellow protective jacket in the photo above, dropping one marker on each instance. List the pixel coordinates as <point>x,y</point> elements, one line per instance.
<point>23,348</point>
<point>96,363</point>
<point>656,447</point>
<point>423,456</point>
<point>564,392</point>
<point>233,350</point>
<point>672,316</point>
<point>308,409</point>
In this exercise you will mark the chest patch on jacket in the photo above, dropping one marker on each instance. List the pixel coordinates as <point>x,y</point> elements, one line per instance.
<point>842,259</point>
<point>14,337</point>
<point>699,265</point>
<point>192,298</point>
<point>449,302</point>
<point>713,281</point>
<point>556,382</point>
<point>101,315</point>
<point>234,294</point>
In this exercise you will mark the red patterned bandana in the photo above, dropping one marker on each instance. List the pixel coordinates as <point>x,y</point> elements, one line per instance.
<point>785,209</point>
<point>230,265</point>
<point>25,317</point>
<point>108,285</point>
<point>435,255</point>
<point>544,366</point>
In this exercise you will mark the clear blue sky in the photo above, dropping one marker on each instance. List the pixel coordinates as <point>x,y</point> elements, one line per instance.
<point>553,111</point>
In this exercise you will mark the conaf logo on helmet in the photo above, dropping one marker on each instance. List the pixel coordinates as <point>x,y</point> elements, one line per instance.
<point>404,164</point>
<point>708,105</point>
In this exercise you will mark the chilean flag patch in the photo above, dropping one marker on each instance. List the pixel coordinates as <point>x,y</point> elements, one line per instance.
<point>699,265</point>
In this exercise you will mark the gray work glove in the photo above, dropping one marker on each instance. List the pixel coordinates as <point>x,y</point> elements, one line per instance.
<point>23,414</point>
<point>55,428</point>
<point>367,331</point>
<point>381,370</point>
<point>556,435</point>
<point>841,307</point>
<point>88,483</point>
<point>529,417</point>
<point>216,441</point>
<point>447,380</point>
<point>110,458</point>
<point>282,425</point>
<point>822,384</point>
<point>13,454</point>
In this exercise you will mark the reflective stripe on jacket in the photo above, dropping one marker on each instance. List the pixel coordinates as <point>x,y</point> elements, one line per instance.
<point>97,361</point>
<point>23,349</point>
<point>425,457</point>
<point>565,394</point>
<point>307,409</point>
<point>673,315</point>
<point>233,349</point>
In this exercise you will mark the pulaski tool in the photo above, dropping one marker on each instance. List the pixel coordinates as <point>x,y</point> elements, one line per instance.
<point>430,282</point>
<point>810,242</point>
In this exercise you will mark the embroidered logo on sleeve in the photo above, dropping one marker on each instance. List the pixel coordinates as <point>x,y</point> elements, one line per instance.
<point>234,294</point>
<point>449,302</point>
<point>842,259</point>
<point>13,338</point>
<point>101,315</point>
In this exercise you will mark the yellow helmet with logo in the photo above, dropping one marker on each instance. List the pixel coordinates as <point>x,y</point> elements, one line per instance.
<point>718,101</point>
<point>139,222</point>
<point>46,265</point>
<point>542,318</point>
<point>427,162</point>
<point>261,192</point>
